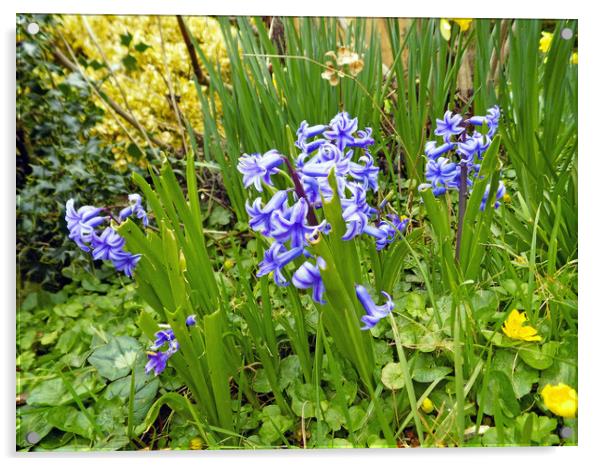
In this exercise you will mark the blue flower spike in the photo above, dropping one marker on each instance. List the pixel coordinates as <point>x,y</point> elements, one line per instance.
<point>108,245</point>
<point>291,217</point>
<point>157,360</point>
<point>441,172</point>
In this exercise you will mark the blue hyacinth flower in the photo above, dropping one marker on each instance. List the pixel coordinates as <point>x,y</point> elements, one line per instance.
<point>356,212</point>
<point>191,320</point>
<point>126,262</point>
<point>327,158</point>
<point>291,224</point>
<point>274,260</point>
<point>260,217</point>
<point>107,246</point>
<point>364,140</point>
<point>257,168</point>
<point>492,119</point>
<point>306,132</point>
<point>162,337</point>
<point>341,130</point>
<point>366,174</point>
<point>400,223</point>
<point>441,175</point>
<point>432,151</point>
<point>135,208</point>
<point>384,234</point>
<point>82,222</point>
<point>501,190</point>
<point>308,276</point>
<point>156,362</point>
<point>449,126</point>
<point>374,313</point>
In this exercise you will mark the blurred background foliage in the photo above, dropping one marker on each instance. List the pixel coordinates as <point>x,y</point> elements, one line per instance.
<point>58,153</point>
<point>138,62</point>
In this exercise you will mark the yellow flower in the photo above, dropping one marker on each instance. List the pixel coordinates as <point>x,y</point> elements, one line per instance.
<point>196,443</point>
<point>513,327</point>
<point>427,406</point>
<point>507,198</point>
<point>229,264</point>
<point>464,23</point>
<point>545,41</point>
<point>560,399</point>
<point>574,58</point>
<point>445,26</point>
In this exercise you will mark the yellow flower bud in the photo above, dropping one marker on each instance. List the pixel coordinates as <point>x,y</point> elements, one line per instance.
<point>196,443</point>
<point>427,406</point>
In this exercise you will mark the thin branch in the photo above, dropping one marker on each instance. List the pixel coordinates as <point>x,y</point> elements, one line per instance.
<point>62,60</point>
<point>170,86</point>
<point>196,67</point>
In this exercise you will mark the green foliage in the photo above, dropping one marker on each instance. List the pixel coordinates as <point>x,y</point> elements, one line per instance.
<point>76,350</point>
<point>58,156</point>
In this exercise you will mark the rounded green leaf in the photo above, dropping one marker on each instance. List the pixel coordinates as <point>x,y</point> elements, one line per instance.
<point>539,357</point>
<point>392,376</point>
<point>117,358</point>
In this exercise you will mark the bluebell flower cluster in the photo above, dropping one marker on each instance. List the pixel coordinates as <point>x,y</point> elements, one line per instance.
<point>442,173</point>
<point>107,245</point>
<point>166,340</point>
<point>293,215</point>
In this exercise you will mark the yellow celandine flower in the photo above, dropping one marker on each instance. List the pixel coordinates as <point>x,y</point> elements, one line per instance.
<point>445,26</point>
<point>464,23</point>
<point>560,399</point>
<point>513,327</point>
<point>427,406</point>
<point>545,41</point>
<point>574,58</point>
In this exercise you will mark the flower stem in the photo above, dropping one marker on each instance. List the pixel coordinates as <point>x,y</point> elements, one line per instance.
<point>311,215</point>
<point>461,207</point>
<point>407,378</point>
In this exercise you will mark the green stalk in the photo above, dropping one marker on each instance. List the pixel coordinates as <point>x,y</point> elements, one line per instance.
<point>407,378</point>
<point>458,372</point>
